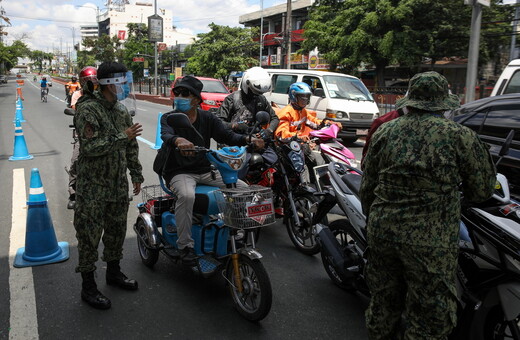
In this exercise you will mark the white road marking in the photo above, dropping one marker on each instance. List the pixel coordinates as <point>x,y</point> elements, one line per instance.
<point>141,109</point>
<point>23,318</point>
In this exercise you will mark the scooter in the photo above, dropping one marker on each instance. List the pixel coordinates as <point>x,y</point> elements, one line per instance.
<point>332,150</point>
<point>225,221</point>
<point>488,274</point>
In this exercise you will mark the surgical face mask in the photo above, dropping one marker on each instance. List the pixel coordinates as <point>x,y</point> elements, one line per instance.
<point>122,91</point>
<point>182,104</point>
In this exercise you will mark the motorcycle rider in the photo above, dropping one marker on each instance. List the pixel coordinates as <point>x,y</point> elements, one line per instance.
<point>238,111</point>
<point>70,88</point>
<point>297,121</point>
<point>44,86</point>
<point>185,169</point>
<point>88,82</point>
<point>410,193</point>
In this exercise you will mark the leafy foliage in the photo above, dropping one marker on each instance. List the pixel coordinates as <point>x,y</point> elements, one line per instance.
<point>351,33</point>
<point>103,48</point>
<point>9,54</point>
<point>39,57</point>
<point>222,50</point>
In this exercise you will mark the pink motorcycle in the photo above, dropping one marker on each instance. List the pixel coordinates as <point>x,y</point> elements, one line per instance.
<point>331,150</point>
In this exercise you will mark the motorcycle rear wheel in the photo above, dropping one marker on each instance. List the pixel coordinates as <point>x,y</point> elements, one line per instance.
<point>254,302</point>
<point>148,256</point>
<point>304,237</point>
<point>341,230</point>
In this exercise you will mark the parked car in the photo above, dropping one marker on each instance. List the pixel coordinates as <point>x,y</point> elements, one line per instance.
<point>492,118</point>
<point>3,79</point>
<point>509,80</point>
<point>340,97</point>
<point>213,93</point>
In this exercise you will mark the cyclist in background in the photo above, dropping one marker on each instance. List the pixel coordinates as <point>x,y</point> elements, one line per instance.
<point>70,88</point>
<point>44,88</point>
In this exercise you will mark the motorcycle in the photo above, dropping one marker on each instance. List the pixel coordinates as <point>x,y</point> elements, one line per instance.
<point>225,221</point>
<point>488,273</point>
<point>295,198</point>
<point>330,147</point>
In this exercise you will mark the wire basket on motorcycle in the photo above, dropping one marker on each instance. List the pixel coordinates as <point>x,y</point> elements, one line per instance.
<point>156,201</point>
<point>245,208</point>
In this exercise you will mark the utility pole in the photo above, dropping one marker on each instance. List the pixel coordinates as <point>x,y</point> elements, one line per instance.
<point>474,43</point>
<point>512,53</point>
<point>261,32</point>
<point>155,53</point>
<point>288,31</point>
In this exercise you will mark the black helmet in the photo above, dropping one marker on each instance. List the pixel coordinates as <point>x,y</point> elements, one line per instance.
<point>74,79</point>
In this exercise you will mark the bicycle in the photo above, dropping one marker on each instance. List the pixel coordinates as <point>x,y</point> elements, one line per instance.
<point>44,93</point>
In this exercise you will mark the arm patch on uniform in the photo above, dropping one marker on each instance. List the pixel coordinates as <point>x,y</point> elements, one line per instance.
<point>88,131</point>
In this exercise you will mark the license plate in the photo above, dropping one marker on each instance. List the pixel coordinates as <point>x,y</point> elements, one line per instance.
<point>260,209</point>
<point>361,132</point>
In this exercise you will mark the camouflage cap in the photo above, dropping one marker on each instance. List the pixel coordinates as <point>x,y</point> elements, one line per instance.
<point>429,91</point>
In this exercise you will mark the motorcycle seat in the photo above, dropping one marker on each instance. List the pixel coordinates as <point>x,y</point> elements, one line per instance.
<point>353,182</point>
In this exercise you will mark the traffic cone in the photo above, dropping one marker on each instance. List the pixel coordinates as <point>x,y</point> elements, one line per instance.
<point>41,246</point>
<point>19,114</point>
<point>20,101</point>
<point>158,140</point>
<point>20,152</point>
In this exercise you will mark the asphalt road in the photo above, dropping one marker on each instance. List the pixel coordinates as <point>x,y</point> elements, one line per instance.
<point>44,302</point>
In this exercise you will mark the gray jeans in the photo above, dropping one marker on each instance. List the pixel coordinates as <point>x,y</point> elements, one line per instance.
<point>183,186</point>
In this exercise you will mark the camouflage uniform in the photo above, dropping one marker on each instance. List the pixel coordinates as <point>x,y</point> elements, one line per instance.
<point>102,184</point>
<point>410,193</point>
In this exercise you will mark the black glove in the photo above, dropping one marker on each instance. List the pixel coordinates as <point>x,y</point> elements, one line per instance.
<point>240,127</point>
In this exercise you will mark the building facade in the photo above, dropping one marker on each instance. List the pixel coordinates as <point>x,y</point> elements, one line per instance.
<point>273,38</point>
<point>115,19</point>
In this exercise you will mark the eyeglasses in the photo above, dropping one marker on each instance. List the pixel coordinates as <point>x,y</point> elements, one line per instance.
<point>181,91</point>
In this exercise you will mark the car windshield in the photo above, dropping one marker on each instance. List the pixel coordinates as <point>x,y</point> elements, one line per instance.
<point>213,86</point>
<point>347,88</point>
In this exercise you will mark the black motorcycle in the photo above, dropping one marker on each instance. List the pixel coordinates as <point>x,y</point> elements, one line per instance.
<point>488,273</point>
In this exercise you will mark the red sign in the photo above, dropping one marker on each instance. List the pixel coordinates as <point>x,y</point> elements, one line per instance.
<point>161,47</point>
<point>260,209</point>
<point>121,35</point>
<point>138,59</point>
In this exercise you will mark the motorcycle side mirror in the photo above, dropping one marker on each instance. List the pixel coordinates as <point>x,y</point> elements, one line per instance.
<point>69,111</point>
<point>181,121</point>
<point>507,144</point>
<point>262,117</point>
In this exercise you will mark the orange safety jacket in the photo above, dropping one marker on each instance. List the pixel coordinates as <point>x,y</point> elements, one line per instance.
<point>296,122</point>
<point>72,86</point>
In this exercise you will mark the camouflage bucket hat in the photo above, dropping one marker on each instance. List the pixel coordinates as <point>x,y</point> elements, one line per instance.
<point>429,91</point>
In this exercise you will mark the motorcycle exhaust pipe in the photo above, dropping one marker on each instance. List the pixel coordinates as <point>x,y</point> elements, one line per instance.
<point>332,249</point>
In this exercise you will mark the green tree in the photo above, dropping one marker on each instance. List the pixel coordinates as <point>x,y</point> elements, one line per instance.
<point>9,54</point>
<point>38,57</point>
<point>351,33</point>
<point>222,50</point>
<point>137,43</point>
<point>104,48</point>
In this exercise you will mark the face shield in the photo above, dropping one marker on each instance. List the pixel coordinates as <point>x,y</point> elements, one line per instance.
<point>122,89</point>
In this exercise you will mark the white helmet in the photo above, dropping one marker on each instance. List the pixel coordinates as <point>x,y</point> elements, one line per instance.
<point>257,80</point>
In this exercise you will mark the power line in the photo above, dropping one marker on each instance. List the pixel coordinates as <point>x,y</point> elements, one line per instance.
<point>54,20</point>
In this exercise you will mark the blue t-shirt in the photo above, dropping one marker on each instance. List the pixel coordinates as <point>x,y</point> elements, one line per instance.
<point>43,83</point>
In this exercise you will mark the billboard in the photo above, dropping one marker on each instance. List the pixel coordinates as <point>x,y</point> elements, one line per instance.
<point>155,28</point>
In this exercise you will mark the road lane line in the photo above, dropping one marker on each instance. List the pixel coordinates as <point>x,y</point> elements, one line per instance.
<point>23,320</point>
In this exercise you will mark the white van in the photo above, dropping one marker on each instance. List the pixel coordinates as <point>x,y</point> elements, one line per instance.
<point>336,96</point>
<point>509,81</point>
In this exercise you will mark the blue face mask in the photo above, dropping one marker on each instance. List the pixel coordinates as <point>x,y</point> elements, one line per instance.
<point>182,104</point>
<point>123,92</point>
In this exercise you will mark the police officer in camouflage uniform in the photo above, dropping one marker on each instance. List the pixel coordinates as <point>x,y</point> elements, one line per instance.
<point>108,147</point>
<point>410,193</point>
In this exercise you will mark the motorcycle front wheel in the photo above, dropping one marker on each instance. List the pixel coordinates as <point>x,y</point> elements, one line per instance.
<point>495,326</point>
<point>148,256</point>
<point>341,230</point>
<point>254,302</point>
<point>304,236</point>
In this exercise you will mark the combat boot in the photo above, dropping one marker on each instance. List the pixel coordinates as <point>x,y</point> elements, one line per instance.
<point>116,278</point>
<point>90,294</point>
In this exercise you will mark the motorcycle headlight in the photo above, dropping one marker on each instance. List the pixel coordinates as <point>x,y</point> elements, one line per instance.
<point>234,162</point>
<point>297,161</point>
<point>209,102</point>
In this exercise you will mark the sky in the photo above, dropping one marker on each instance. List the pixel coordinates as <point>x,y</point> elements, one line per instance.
<point>41,24</point>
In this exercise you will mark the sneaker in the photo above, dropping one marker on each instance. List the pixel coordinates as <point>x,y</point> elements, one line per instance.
<point>188,255</point>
